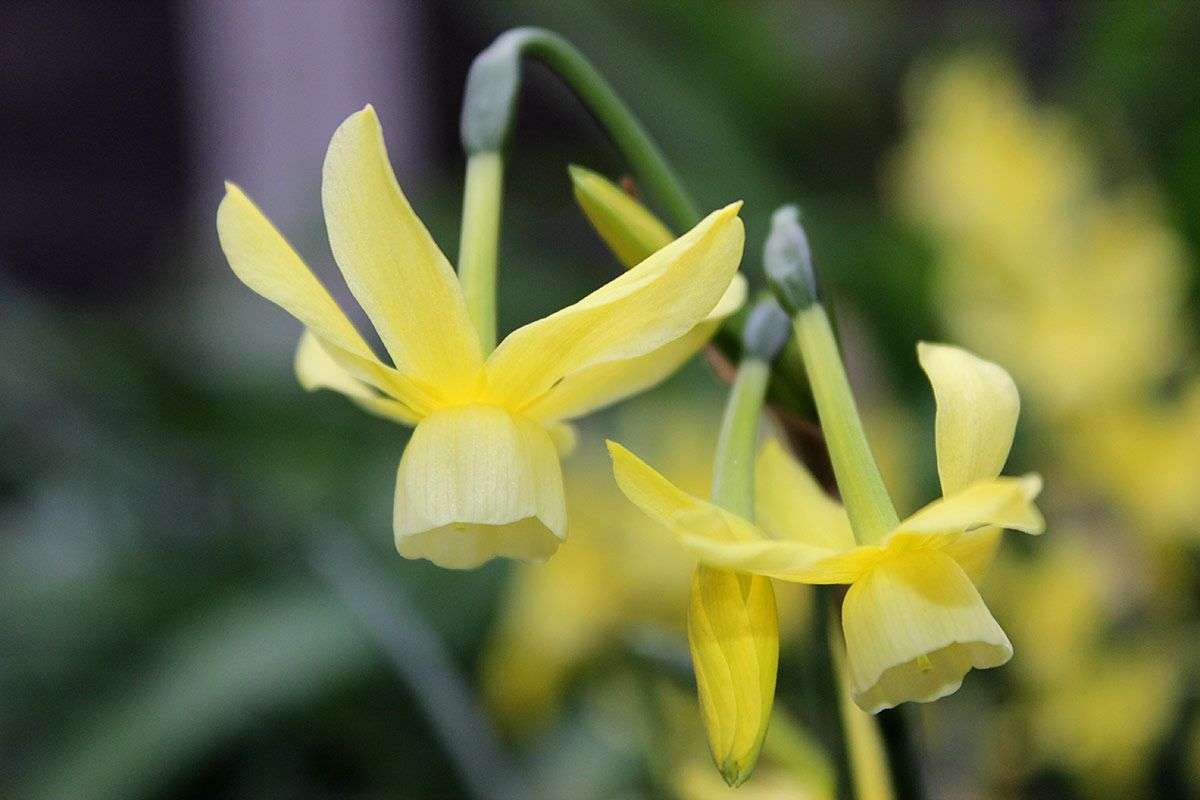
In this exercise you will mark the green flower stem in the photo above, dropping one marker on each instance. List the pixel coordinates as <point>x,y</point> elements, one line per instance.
<point>763,338</point>
<point>733,471</point>
<point>479,240</point>
<point>490,102</point>
<point>872,515</point>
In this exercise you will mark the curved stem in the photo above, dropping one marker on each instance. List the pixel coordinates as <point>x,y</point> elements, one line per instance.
<point>490,103</point>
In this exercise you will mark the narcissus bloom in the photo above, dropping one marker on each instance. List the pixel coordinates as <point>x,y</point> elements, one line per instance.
<point>914,622</point>
<point>480,476</point>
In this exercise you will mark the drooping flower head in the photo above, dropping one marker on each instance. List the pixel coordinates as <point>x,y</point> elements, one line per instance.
<point>480,476</point>
<point>913,620</point>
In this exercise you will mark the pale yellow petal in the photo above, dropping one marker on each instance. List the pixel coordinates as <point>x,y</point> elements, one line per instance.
<point>264,261</point>
<point>977,408</point>
<point>392,265</point>
<point>796,562</point>
<point>315,369</point>
<point>564,436</point>
<point>681,513</point>
<point>475,483</point>
<point>605,384</point>
<point>721,539</point>
<point>790,505</point>
<point>975,551</point>
<point>733,632</point>
<point>1002,502</point>
<point>654,303</point>
<point>914,626</point>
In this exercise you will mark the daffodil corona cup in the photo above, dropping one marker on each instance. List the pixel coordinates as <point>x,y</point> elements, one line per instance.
<point>481,475</point>
<point>913,621</point>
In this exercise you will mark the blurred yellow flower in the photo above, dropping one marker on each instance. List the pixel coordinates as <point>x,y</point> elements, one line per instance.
<point>914,623</point>
<point>1077,288</point>
<point>1075,680</point>
<point>480,476</point>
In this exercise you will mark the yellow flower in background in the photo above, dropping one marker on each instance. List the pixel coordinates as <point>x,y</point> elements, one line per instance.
<point>914,622</point>
<point>480,476</point>
<point>611,585</point>
<point>1077,287</point>
<point>1093,705</point>
<point>1040,269</point>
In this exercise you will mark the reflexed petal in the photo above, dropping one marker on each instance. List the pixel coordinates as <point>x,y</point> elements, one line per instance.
<point>788,561</point>
<point>788,503</point>
<point>315,369</point>
<point>1003,502</point>
<point>475,483</point>
<point>733,632</point>
<point>392,265</point>
<point>607,383</point>
<point>264,261</point>
<point>721,539</point>
<point>673,508</point>
<point>914,626</point>
<point>654,303</point>
<point>977,408</point>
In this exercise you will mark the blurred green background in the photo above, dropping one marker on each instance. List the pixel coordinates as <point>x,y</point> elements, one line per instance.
<point>189,541</point>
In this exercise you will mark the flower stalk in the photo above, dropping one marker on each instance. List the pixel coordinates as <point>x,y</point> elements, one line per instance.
<point>788,261</point>
<point>479,241</point>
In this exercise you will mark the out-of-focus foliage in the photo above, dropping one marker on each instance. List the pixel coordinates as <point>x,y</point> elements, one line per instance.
<point>163,634</point>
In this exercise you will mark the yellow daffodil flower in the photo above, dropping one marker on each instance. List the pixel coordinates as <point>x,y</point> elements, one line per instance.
<point>913,620</point>
<point>480,476</point>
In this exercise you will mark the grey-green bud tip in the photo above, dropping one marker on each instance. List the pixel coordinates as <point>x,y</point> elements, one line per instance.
<point>767,330</point>
<point>787,260</point>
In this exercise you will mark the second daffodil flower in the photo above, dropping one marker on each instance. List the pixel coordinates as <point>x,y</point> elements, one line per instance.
<point>480,476</point>
<point>913,620</point>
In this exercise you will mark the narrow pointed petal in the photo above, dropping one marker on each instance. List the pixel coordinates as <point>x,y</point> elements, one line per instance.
<point>607,383</point>
<point>720,539</point>
<point>654,303</point>
<point>681,513</point>
<point>1002,502</point>
<point>476,483</point>
<point>264,261</point>
<point>789,505</point>
<point>914,626</point>
<point>733,632</point>
<point>392,265</point>
<point>977,409</point>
